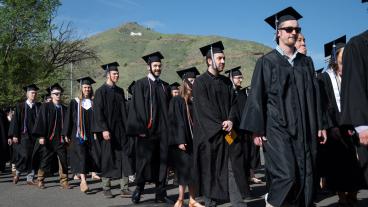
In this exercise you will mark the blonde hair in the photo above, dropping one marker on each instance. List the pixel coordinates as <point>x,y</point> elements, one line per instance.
<point>80,96</point>
<point>185,91</point>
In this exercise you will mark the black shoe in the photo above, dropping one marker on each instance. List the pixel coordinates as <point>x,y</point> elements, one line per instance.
<point>136,197</point>
<point>107,194</point>
<point>126,193</point>
<point>164,199</point>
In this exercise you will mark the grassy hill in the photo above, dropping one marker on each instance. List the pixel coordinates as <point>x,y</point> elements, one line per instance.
<point>180,51</point>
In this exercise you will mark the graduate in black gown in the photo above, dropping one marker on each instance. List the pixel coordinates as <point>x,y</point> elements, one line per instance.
<point>252,154</point>
<point>283,113</point>
<point>4,145</point>
<point>174,88</point>
<point>78,129</point>
<point>110,121</point>
<point>181,136</point>
<point>341,167</point>
<point>20,130</point>
<point>218,153</point>
<point>148,121</point>
<point>50,143</point>
<point>354,98</point>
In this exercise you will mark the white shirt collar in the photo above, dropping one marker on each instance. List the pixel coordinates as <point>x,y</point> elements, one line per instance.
<point>291,59</point>
<point>152,78</point>
<point>86,103</point>
<point>29,103</point>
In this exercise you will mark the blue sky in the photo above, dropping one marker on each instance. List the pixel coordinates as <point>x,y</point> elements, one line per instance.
<point>240,19</point>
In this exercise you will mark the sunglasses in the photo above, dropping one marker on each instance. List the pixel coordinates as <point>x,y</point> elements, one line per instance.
<point>291,29</point>
<point>56,94</point>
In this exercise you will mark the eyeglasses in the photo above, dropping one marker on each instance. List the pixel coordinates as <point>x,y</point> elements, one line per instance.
<point>291,29</point>
<point>56,94</point>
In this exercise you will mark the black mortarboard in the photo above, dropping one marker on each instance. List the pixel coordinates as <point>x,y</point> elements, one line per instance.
<point>191,72</point>
<point>110,66</point>
<point>332,47</point>
<point>234,72</point>
<point>174,86</point>
<point>319,70</point>
<point>364,1</point>
<point>31,87</point>
<point>217,47</point>
<point>130,88</point>
<point>53,87</point>
<point>86,81</point>
<point>153,57</point>
<point>284,15</point>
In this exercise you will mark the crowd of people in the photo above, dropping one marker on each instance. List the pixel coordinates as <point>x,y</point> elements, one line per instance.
<point>312,127</point>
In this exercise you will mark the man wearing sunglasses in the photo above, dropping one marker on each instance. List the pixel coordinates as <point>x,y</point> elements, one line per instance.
<point>283,114</point>
<point>48,127</point>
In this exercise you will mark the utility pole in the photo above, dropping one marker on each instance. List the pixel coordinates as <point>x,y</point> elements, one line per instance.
<point>71,80</point>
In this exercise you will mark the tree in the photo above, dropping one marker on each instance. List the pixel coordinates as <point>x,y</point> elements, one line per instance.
<point>32,48</point>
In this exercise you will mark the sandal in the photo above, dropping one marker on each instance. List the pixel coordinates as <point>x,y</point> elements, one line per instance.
<point>179,203</point>
<point>195,204</point>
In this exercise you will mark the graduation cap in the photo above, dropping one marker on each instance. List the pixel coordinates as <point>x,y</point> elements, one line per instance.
<point>332,47</point>
<point>31,87</point>
<point>153,57</point>
<point>191,72</point>
<point>319,70</point>
<point>86,81</point>
<point>364,1</point>
<point>234,72</point>
<point>284,15</point>
<point>110,67</point>
<point>56,86</point>
<point>174,86</point>
<point>216,47</point>
<point>130,88</point>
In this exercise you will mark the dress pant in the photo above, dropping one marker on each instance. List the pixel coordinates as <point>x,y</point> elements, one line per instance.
<point>236,199</point>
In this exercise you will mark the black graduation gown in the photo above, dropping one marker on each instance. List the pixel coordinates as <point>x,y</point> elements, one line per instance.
<point>283,105</point>
<point>4,147</point>
<point>252,155</point>
<point>341,166</point>
<point>354,89</point>
<point>49,124</point>
<point>84,156</point>
<point>213,103</point>
<point>152,150</point>
<point>109,114</point>
<point>21,127</point>
<point>181,133</point>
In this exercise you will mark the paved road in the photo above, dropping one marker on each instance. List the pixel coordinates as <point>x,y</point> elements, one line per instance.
<point>21,195</point>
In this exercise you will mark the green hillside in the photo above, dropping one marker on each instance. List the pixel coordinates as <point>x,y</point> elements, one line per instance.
<point>180,51</point>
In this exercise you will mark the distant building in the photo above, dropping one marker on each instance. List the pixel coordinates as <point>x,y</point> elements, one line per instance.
<point>135,33</point>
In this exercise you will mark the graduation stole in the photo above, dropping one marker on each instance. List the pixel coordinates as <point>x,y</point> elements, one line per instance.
<point>25,130</point>
<point>81,128</point>
<point>150,120</point>
<point>62,124</point>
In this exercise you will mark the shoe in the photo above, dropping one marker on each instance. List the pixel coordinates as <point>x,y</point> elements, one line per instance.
<point>164,199</point>
<point>95,177</point>
<point>107,194</point>
<point>136,197</point>
<point>15,179</point>
<point>126,194</point>
<point>65,186</point>
<point>255,180</point>
<point>83,187</point>
<point>41,185</point>
<point>31,182</point>
<point>76,177</point>
<point>195,204</point>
